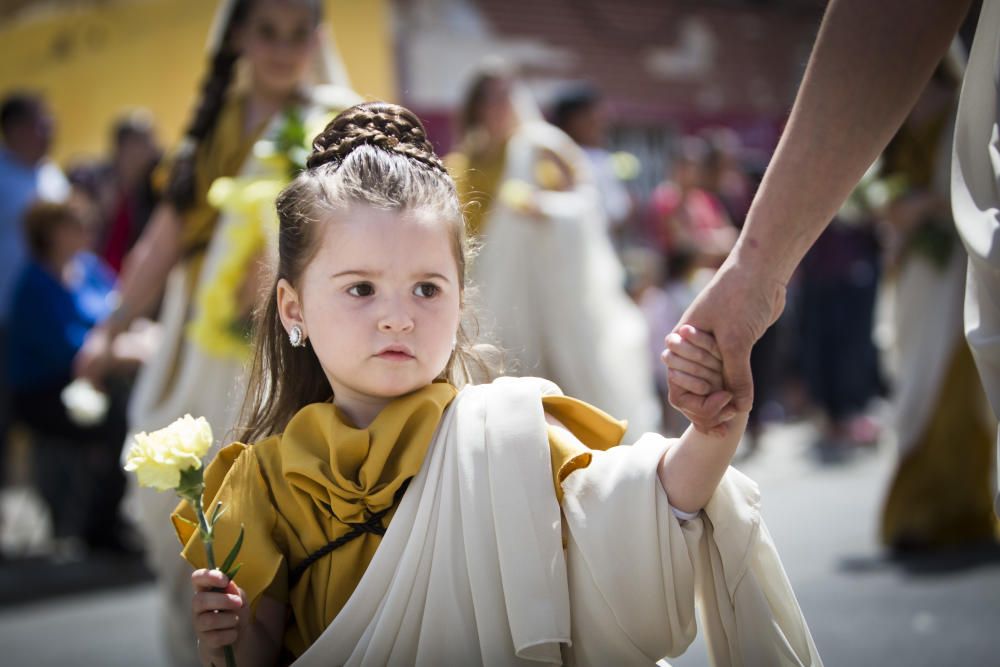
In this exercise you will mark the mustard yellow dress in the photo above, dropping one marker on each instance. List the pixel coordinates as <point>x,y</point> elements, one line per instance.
<point>304,489</point>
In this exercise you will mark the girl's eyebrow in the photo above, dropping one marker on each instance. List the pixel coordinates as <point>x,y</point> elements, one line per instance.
<point>357,272</point>
<point>432,274</point>
<point>377,274</point>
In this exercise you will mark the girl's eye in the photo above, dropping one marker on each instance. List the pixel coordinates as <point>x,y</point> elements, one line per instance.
<point>426,290</point>
<point>361,289</point>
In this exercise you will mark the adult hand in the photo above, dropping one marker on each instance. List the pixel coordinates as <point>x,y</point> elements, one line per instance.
<point>736,307</point>
<point>93,359</point>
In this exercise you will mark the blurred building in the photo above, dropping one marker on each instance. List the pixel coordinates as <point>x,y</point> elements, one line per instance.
<point>667,68</point>
<point>93,58</point>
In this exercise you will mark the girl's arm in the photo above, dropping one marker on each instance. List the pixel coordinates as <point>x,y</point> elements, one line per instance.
<point>691,470</point>
<point>222,617</point>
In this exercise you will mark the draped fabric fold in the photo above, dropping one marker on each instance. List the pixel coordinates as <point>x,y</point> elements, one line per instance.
<point>472,569</point>
<point>356,472</point>
<point>634,590</point>
<point>553,290</point>
<point>975,201</point>
<point>299,491</point>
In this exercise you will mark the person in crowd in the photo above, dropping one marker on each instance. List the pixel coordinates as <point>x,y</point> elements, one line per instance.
<point>939,495</point>
<point>580,113</point>
<point>550,284</point>
<point>61,293</point>
<point>86,178</point>
<point>684,216</point>
<point>204,253</point>
<point>726,176</point>
<point>663,289</point>
<point>839,280</point>
<point>128,194</point>
<point>26,174</point>
<point>393,512</point>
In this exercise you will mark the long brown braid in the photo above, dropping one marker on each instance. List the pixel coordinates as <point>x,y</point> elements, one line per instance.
<point>181,186</point>
<point>180,190</point>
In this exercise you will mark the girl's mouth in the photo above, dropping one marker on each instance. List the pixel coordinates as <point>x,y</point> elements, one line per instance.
<point>395,353</point>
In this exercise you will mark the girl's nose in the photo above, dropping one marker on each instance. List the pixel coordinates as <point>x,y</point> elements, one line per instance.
<point>396,318</point>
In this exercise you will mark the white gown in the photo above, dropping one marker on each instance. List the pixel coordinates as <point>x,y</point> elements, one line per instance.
<point>552,289</point>
<point>473,570</point>
<point>975,200</point>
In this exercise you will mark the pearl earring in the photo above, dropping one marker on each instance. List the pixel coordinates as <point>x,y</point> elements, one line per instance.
<point>296,337</point>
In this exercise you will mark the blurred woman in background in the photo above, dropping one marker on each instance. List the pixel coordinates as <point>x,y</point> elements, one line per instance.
<point>941,493</point>
<point>551,286</point>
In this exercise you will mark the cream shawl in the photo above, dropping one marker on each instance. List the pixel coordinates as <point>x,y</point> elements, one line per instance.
<point>472,569</point>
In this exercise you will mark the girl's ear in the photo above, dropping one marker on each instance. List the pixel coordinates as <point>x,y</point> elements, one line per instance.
<point>289,306</point>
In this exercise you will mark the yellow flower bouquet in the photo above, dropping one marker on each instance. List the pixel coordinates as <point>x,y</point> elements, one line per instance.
<point>171,459</point>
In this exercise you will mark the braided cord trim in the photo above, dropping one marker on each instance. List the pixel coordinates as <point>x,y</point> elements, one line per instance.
<point>371,525</point>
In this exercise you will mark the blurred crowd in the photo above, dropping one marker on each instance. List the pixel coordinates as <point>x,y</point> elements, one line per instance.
<point>64,235</point>
<point>854,334</point>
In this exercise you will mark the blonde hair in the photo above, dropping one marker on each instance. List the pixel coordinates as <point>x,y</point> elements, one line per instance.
<point>376,154</point>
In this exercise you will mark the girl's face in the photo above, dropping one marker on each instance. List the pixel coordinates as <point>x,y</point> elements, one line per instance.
<point>278,41</point>
<point>380,304</point>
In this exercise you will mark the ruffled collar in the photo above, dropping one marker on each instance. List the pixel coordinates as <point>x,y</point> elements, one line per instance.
<point>351,472</point>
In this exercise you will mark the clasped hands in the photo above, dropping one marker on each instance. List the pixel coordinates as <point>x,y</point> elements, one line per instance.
<point>708,353</point>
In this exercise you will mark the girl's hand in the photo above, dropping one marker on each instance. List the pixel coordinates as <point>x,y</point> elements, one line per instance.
<point>693,361</point>
<point>220,611</point>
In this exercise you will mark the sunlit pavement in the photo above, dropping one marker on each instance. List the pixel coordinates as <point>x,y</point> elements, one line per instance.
<point>863,608</point>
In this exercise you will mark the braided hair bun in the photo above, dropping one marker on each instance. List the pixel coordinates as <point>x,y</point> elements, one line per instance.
<point>380,124</point>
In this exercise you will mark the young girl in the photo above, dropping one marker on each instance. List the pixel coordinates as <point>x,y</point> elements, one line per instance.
<point>395,514</point>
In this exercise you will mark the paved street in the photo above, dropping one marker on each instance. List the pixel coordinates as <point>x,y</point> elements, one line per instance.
<point>863,609</point>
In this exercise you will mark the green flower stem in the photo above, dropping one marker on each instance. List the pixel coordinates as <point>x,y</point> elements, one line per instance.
<point>208,537</point>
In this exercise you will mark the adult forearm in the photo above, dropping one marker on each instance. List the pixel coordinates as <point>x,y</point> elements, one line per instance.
<point>147,266</point>
<point>869,64</point>
<point>691,469</point>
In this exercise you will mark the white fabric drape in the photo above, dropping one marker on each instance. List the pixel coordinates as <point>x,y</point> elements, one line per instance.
<point>472,569</point>
<point>553,289</point>
<point>925,340</point>
<point>975,199</point>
